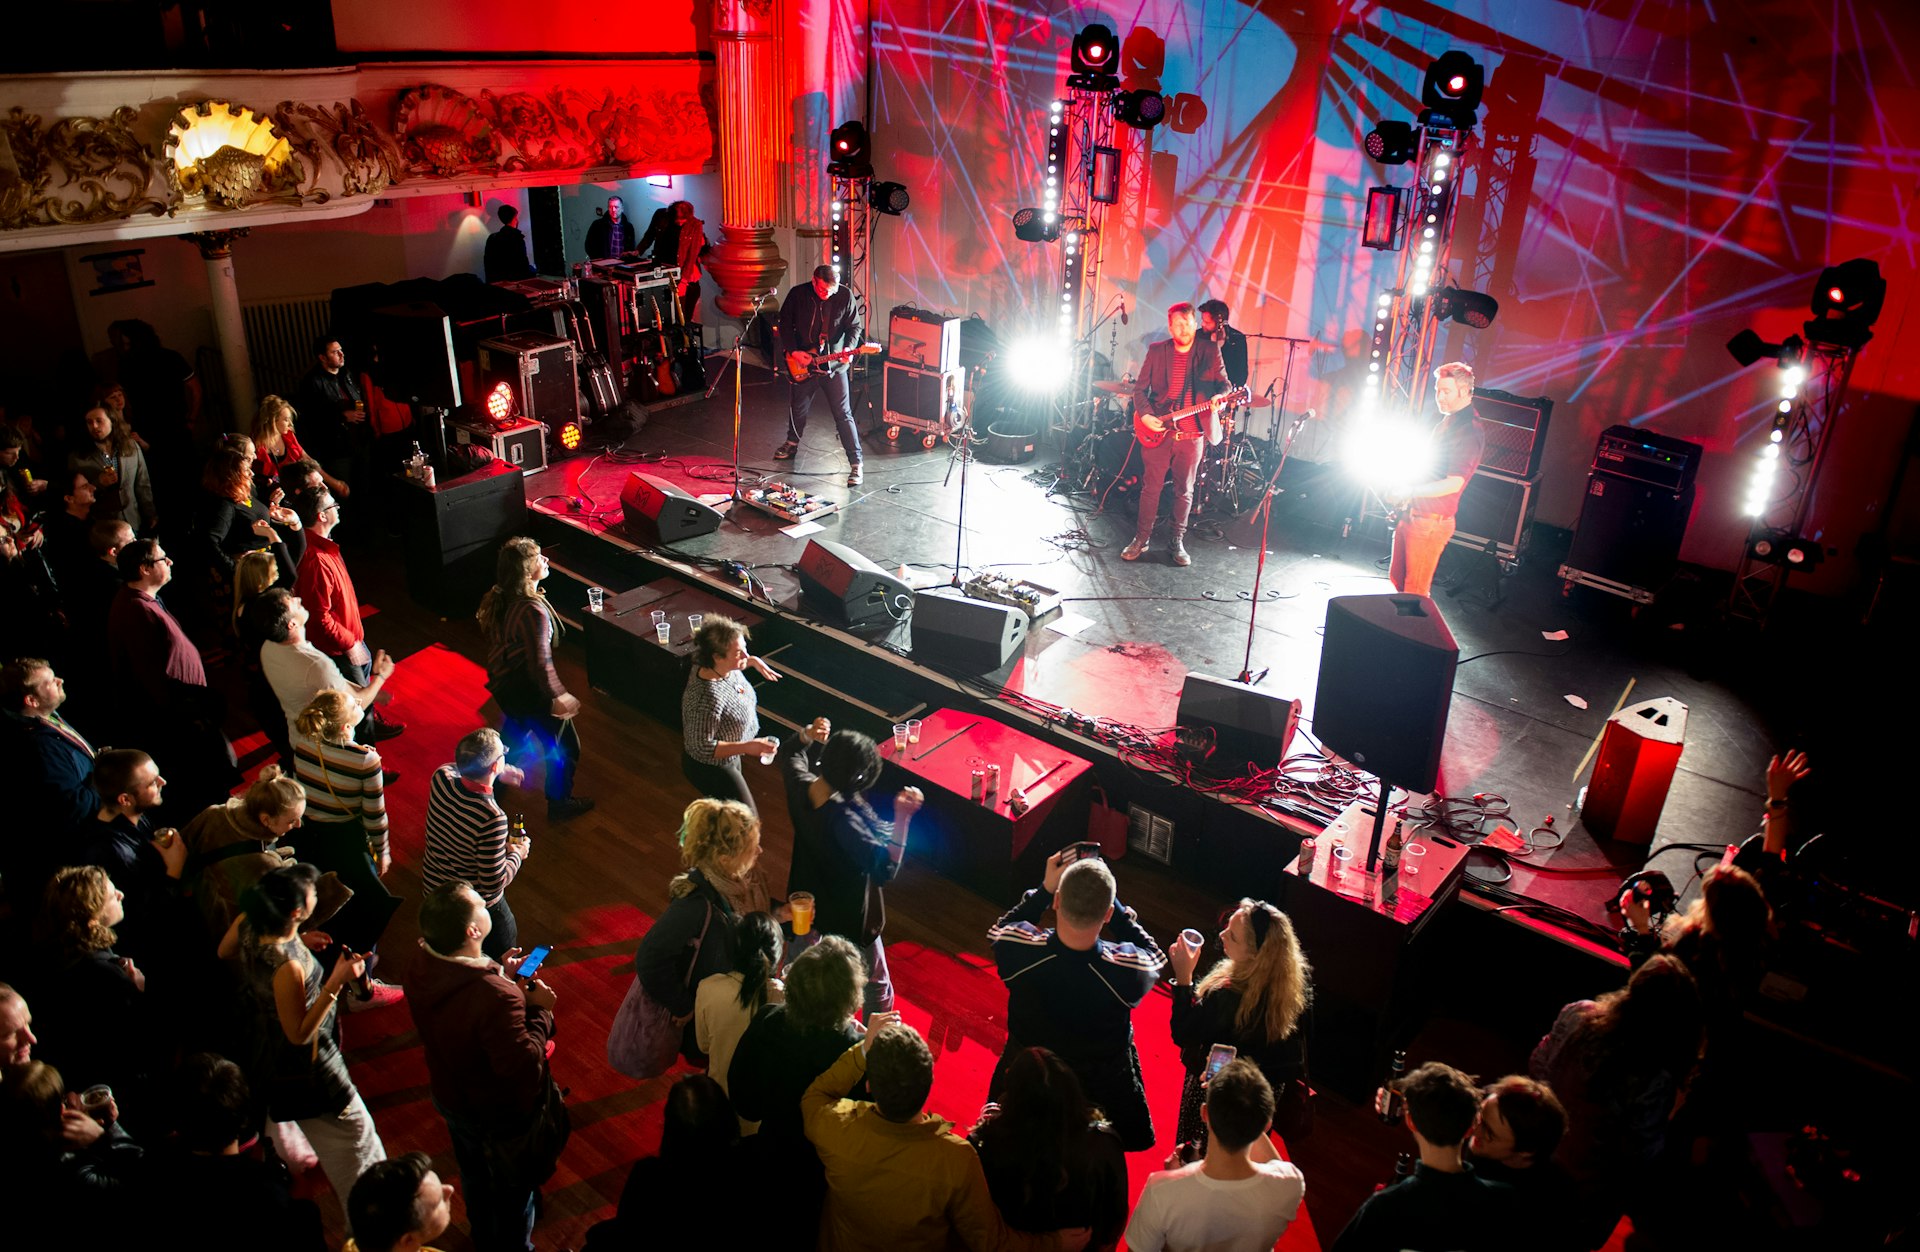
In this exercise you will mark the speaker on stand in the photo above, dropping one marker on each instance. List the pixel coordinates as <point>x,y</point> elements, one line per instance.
<point>1386,686</point>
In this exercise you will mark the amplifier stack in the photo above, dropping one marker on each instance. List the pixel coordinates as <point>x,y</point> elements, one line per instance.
<point>1634,514</point>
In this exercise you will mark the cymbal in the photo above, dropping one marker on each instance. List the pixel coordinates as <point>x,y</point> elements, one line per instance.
<point>1114,388</point>
<point>1259,402</point>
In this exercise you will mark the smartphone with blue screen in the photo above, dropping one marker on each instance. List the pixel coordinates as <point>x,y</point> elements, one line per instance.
<point>530,964</point>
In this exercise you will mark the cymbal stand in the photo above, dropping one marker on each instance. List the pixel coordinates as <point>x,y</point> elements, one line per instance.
<point>733,362</point>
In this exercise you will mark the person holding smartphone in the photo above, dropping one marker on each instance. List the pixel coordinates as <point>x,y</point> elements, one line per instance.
<point>1254,1001</point>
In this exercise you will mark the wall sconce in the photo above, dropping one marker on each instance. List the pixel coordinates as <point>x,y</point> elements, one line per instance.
<point>229,154</point>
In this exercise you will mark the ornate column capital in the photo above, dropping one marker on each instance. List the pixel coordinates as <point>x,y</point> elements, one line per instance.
<point>214,244</point>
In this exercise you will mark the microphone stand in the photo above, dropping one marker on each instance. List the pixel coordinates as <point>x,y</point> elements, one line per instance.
<point>961,423</point>
<point>1247,675</point>
<point>733,359</point>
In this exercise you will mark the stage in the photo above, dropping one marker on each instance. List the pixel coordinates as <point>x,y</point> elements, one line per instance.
<point>1129,633</point>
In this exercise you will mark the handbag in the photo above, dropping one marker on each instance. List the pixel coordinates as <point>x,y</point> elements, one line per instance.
<point>645,1040</point>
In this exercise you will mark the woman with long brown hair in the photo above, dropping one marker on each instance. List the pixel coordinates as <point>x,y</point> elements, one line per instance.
<point>123,486</point>
<point>239,519</point>
<point>1255,1000</point>
<point>536,711</point>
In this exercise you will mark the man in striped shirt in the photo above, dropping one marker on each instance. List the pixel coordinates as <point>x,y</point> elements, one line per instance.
<point>467,831</point>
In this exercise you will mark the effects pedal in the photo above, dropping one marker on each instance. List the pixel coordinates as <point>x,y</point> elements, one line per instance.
<point>1035,601</point>
<point>789,503</point>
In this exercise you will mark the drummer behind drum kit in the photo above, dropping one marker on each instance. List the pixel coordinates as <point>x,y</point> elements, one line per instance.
<point>1105,463</point>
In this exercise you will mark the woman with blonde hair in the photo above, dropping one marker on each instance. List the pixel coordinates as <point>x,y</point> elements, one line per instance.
<point>93,1020</point>
<point>536,711</point>
<point>694,937</point>
<point>275,446</point>
<point>231,845</point>
<point>346,824</point>
<point>719,712</point>
<point>1255,999</point>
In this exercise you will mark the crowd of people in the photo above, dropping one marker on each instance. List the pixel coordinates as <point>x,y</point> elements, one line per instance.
<point>178,947</point>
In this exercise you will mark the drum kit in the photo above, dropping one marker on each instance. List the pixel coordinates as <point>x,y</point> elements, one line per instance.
<point>1105,460</point>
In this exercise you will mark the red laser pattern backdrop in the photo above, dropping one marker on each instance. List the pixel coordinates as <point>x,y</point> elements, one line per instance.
<point>1650,179</point>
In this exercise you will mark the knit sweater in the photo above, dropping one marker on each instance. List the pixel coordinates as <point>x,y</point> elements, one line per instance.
<point>466,838</point>
<point>343,783</point>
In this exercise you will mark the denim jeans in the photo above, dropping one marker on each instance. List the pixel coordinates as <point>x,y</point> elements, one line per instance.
<point>499,1214</point>
<point>505,932</point>
<point>553,739</point>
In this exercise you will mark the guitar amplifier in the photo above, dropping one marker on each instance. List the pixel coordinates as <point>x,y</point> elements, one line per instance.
<point>917,398</point>
<point>1515,428</point>
<point>1647,456</point>
<point>928,341</point>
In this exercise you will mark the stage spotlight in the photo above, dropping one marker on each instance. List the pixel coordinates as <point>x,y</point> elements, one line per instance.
<point>1388,455</point>
<point>1095,52</point>
<point>1469,308</point>
<point>500,402</point>
<point>1846,303</point>
<point>1187,113</point>
<point>1142,109</point>
<point>569,436</point>
<point>1385,228</point>
<point>889,198</point>
<point>1748,347</point>
<point>1038,363</point>
<point>1033,226</point>
<point>1779,547</point>
<point>1452,88</point>
<point>849,151</point>
<point>1392,143</point>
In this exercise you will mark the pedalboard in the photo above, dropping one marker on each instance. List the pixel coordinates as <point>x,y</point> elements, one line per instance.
<point>1035,601</point>
<point>790,504</point>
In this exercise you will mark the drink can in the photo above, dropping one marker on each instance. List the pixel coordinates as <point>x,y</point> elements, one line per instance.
<point>993,782</point>
<point>978,782</point>
<point>1307,848</point>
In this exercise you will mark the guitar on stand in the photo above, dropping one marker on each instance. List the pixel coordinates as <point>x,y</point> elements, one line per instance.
<point>801,364</point>
<point>1200,421</point>
<point>664,368</point>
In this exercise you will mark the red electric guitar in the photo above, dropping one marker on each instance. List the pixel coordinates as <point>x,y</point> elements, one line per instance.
<point>1202,421</point>
<point>801,363</point>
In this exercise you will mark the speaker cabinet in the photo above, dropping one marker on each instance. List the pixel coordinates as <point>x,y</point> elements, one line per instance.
<point>1639,751</point>
<point>454,532</point>
<point>851,590</point>
<point>1630,530</point>
<point>1386,686</point>
<point>1515,428</point>
<point>1496,511</point>
<point>656,511</point>
<point>1250,726</point>
<point>918,396</point>
<point>413,359</point>
<point>539,369</point>
<point>958,632</point>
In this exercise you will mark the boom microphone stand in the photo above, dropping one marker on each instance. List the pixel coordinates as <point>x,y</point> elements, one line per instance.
<point>960,422</point>
<point>1247,675</point>
<point>733,359</point>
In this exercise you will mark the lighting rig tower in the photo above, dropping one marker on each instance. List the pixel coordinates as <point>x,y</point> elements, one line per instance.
<point>1814,374</point>
<point>855,198</point>
<point>1418,222</point>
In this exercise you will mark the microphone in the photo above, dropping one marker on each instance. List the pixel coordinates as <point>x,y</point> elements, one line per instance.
<point>1124,319</point>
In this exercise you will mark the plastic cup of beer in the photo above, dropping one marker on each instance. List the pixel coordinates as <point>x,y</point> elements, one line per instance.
<point>96,1102</point>
<point>899,736</point>
<point>596,599</point>
<point>801,902</point>
<point>1341,854</point>
<point>693,623</point>
<point>913,730</point>
<point>1192,937</point>
<point>661,626</point>
<point>1412,857</point>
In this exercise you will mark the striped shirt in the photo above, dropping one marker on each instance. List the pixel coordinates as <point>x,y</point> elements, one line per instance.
<point>343,784</point>
<point>716,711</point>
<point>466,838</point>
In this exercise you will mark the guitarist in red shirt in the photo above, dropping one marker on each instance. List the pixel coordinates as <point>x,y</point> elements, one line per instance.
<point>1179,373</point>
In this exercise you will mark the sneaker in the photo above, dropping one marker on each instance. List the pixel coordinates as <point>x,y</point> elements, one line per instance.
<point>379,995</point>
<point>785,451</point>
<point>1134,551</point>
<point>1179,554</point>
<point>572,806</point>
<point>855,476</point>
<point>385,729</point>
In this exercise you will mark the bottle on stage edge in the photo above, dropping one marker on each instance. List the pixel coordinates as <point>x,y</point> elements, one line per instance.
<point>1389,1103</point>
<point>1396,841</point>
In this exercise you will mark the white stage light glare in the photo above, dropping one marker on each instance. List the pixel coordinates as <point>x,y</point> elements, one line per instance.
<point>1388,454</point>
<point>1037,363</point>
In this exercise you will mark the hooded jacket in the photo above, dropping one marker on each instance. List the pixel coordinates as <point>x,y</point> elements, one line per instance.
<point>486,1046</point>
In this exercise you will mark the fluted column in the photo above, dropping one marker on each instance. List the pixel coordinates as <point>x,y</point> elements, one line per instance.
<point>216,249</point>
<point>747,261</point>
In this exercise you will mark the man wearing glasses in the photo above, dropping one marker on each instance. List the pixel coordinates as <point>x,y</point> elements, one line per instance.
<point>165,702</point>
<point>324,586</point>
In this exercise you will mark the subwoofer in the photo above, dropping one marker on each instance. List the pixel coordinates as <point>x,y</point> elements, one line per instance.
<point>1250,726</point>
<point>656,511</point>
<point>1386,686</point>
<point>850,589</point>
<point>958,632</point>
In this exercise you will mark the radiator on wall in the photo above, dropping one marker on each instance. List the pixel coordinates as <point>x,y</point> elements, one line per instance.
<point>280,335</point>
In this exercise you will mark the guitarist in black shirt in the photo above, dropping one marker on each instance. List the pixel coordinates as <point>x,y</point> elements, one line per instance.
<point>819,329</point>
<point>1178,373</point>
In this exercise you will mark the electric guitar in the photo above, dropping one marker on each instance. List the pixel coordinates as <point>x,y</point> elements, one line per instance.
<point>801,363</point>
<point>666,378</point>
<point>1202,421</point>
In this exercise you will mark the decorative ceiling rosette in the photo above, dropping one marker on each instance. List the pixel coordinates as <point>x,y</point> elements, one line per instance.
<point>79,170</point>
<point>540,132</point>
<point>443,132</point>
<point>231,156</point>
<point>343,135</point>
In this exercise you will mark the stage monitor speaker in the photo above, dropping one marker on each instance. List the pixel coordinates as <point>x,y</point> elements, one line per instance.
<point>1639,750</point>
<point>961,633</point>
<point>1250,726</point>
<point>656,511</point>
<point>1386,686</point>
<point>413,359</point>
<point>1629,531</point>
<point>1515,428</point>
<point>852,590</point>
